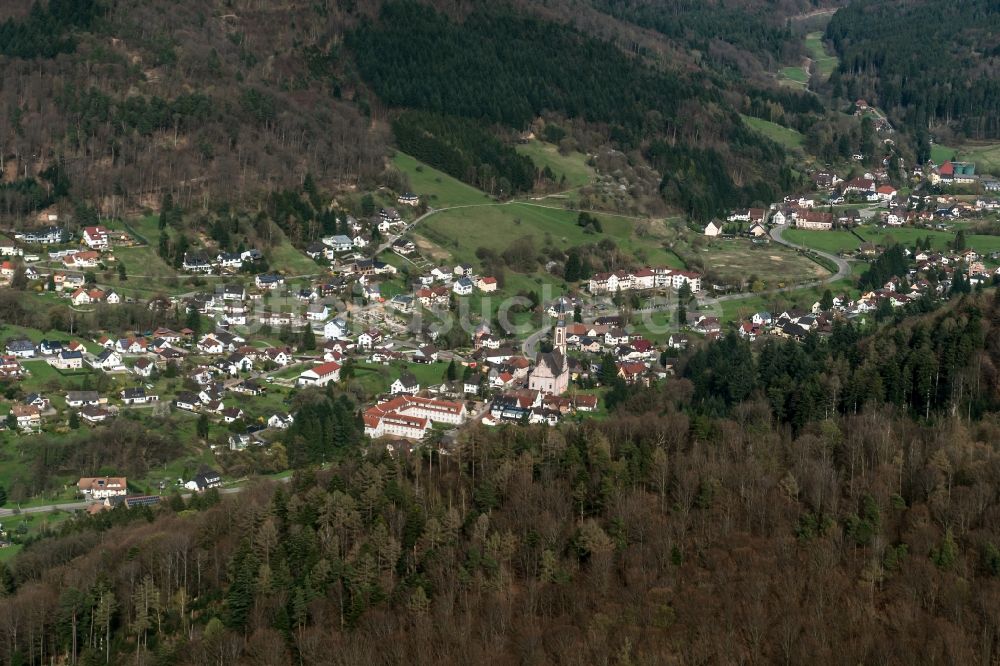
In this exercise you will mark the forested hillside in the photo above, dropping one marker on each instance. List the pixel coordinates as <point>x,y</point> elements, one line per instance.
<point>926,63</point>
<point>502,68</point>
<point>705,522</point>
<point>229,101</point>
<point>220,100</point>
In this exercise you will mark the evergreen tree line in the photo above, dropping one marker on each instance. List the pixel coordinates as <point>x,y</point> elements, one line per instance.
<point>696,24</point>
<point>47,30</point>
<point>924,368</point>
<point>322,430</point>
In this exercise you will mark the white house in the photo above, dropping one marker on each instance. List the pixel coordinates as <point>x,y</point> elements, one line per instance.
<point>339,243</point>
<point>209,345</point>
<point>269,281</point>
<point>333,330</point>
<point>102,487</point>
<point>712,229</point>
<point>67,360</point>
<point>463,287</point>
<point>96,238</point>
<point>280,421</point>
<point>405,383</point>
<point>107,360</point>
<point>137,396</point>
<point>318,312</point>
<point>320,375</point>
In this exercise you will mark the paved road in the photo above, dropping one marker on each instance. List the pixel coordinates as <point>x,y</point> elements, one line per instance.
<point>843,271</point>
<point>77,506</point>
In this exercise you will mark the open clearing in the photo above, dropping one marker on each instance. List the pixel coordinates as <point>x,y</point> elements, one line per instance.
<point>833,242</point>
<point>985,155</point>
<point>774,265</point>
<point>788,138</point>
<point>462,231</point>
<point>794,76</point>
<point>440,189</point>
<point>825,62</point>
<point>939,239</point>
<point>573,167</point>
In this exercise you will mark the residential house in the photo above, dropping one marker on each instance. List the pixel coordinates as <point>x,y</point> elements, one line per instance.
<point>144,367</point>
<point>137,396</point>
<point>29,417</point>
<point>232,414</point>
<point>269,281</point>
<point>320,375</point>
<point>83,398</point>
<point>187,401</point>
<point>405,383</point>
<point>318,312</point>
<point>21,348</point>
<point>102,487</point>
<point>335,329</point>
<point>426,354</point>
<point>108,360</point>
<point>205,480</point>
<point>463,287</point>
<point>67,360</point>
<point>280,421</point>
<point>96,238</point>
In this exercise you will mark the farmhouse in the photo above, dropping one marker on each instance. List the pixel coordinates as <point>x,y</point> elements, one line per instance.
<point>814,219</point>
<point>321,375</point>
<point>103,487</point>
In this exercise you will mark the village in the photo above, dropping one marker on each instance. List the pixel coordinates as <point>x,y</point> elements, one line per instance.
<point>252,336</point>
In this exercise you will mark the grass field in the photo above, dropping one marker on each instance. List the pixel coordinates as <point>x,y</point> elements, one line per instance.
<point>825,241</point>
<point>941,153</point>
<point>795,76</point>
<point>772,264</point>
<point>462,231</point>
<point>985,155</point>
<point>788,138</point>
<point>284,257</point>
<point>939,239</point>
<point>573,166</point>
<point>825,62</point>
<point>439,188</point>
<point>143,262</point>
<point>376,378</point>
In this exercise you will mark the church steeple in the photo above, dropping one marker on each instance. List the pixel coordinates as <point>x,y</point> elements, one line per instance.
<point>560,337</point>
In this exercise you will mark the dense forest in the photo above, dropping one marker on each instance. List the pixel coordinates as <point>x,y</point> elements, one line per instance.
<point>926,63</point>
<point>703,523</point>
<point>133,99</point>
<point>758,31</point>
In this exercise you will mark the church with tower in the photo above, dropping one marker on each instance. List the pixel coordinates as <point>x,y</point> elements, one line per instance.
<point>551,373</point>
